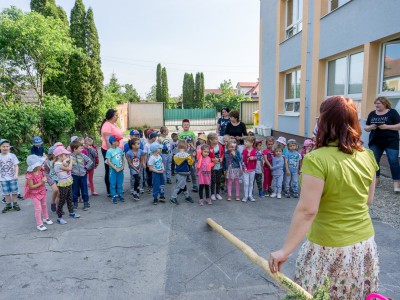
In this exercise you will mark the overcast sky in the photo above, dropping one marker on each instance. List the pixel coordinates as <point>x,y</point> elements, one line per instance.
<point>217,37</point>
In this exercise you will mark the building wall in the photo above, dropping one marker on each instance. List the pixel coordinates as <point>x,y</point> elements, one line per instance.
<point>359,25</point>
<point>356,23</point>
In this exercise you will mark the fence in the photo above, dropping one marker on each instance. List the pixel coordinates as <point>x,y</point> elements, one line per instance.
<point>197,116</point>
<point>122,111</point>
<point>247,108</point>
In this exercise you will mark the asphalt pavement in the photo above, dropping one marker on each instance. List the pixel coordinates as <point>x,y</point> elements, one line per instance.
<point>135,250</point>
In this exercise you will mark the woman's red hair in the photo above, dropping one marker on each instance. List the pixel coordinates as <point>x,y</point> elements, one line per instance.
<point>338,121</point>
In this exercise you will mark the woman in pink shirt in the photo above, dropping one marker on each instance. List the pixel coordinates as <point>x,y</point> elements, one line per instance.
<point>109,128</point>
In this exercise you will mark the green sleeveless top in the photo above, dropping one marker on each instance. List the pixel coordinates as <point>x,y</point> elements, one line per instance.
<point>343,217</point>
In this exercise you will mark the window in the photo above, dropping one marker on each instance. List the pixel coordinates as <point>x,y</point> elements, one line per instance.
<point>345,75</point>
<point>334,4</point>
<point>294,15</point>
<point>292,92</point>
<point>391,68</point>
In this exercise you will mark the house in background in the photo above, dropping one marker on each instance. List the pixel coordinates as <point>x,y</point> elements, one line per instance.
<point>314,49</point>
<point>248,89</point>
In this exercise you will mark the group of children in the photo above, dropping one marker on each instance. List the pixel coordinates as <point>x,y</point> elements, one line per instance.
<point>67,172</point>
<point>211,163</point>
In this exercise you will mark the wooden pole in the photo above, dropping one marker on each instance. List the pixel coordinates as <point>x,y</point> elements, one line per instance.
<point>285,282</point>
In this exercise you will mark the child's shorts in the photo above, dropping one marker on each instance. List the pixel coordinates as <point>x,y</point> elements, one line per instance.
<point>9,187</point>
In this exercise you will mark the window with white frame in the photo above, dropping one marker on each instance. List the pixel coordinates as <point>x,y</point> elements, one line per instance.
<point>345,76</point>
<point>334,4</point>
<point>390,73</point>
<point>294,17</point>
<point>292,92</point>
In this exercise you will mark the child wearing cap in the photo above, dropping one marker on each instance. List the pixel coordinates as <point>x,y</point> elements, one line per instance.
<point>307,148</point>
<point>259,168</point>
<point>9,176</point>
<point>80,164</point>
<point>132,134</point>
<point>37,148</point>
<point>174,150</point>
<point>190,138</point>
<point>201,140</point>
<point>134,157</point>
<point>166,154</point>
<point>63,167</point>
<point>282,142</point>
<point>156,167</point>
<point>115,159</point>
<point>51,177</point>
<point>292,165</point>
<point>35,189</point>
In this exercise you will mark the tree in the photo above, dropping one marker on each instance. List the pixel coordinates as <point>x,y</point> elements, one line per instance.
<point>164,86</point>
<point>188,90</point>
<point>151,95</point>
<point>33,44</point>
<point>199,91</point>
<point>130,94</point>
<point>226,98</point>
<point>77,21</point>
<point>159,95</point>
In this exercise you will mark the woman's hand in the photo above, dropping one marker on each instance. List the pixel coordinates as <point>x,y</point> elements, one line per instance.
<point>276,260</point>
<point>382,127</point>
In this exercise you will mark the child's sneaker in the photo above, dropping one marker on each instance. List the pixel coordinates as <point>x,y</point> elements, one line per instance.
<point>273,195</point>
<point>141,190</point>
<point>295,195</point>
<point>201,202</point>
<point>48,221</point>
<point>16,206</point>
<point>41,227</point>
<point>174,201</point>
<point>74,216</point>
<point>189,199</point>
<point>287,195</point>
<point>136,197</point>
<point>209,202</point>
<point>244,199</point>
<point>20,197</point>
<point>267,194</point>
<point>75,205</point>
<point>114,200</point>
<point>279,196</point>
<point>122,199</point>
<point>261,194</point>
<point>149,190</point>
<point>162,199</point>
<point>218,196</point>
<point>3,200</point>
<point>95,194</point>
<point>195,189</point>
<point>61,221</point>
<point>85,206</point>
<point>7,208</point>
<point>213,197</point>
<point>155,201</point>
<point>252,199</point>
<point>53,207</point>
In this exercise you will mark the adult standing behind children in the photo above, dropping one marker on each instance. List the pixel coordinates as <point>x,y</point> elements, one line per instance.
<point>236,129</point>
<point>384,124</point>
<point>338,186</point>
<point>109,128</point>
<point>223,121</point>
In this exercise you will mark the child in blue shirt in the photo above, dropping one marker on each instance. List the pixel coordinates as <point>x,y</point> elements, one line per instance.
<point>156,167</point>
<point>292,164</point>
<point>115,159</point>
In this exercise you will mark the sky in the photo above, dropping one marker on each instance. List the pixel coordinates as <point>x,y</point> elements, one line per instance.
<point>217,37</point>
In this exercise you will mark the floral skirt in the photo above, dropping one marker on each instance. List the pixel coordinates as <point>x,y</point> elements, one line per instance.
<point>353,270</point>
<point>233,173</point>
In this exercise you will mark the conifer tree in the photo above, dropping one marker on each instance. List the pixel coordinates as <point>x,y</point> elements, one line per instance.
<point>188,90</point>
<point>77,21</point>
<point>164,86</point>
<point>159,84</point>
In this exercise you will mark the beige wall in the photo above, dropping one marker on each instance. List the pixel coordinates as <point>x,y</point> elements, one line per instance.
<point>122,110</point>
<point>146,114</point>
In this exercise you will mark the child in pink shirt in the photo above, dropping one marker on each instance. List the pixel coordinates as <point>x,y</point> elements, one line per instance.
<point>204,166</point>
<point>249,169</point>
<point>268,154</point>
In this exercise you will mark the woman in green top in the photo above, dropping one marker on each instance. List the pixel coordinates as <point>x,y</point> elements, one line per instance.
<point>338,186</point>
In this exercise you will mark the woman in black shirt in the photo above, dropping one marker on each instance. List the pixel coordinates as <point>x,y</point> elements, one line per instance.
<point>236,128</point>
<point>383,124</point>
